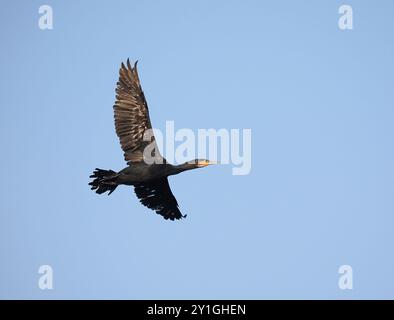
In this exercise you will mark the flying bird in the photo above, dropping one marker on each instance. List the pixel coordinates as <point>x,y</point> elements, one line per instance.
<point>147,170</point>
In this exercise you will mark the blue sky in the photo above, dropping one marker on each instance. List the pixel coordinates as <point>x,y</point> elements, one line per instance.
<point>319,101</point>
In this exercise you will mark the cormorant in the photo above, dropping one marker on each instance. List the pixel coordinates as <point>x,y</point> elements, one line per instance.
<point>149,178</point>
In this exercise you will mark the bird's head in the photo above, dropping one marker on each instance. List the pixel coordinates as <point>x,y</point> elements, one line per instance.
<point>193,164</point>
<point>199,163</point>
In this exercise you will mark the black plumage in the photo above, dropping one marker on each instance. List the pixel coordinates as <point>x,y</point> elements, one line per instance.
<point>147,170</point>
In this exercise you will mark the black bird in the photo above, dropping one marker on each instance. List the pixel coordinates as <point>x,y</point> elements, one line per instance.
<point>148,177</point>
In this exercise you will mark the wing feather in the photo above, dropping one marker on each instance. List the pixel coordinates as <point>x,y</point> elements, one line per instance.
<point>157,195</point>
<point>132,115</point>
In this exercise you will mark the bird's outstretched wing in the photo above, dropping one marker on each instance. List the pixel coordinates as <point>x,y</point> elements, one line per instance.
<point>132,116</point>
<point>157,196</point>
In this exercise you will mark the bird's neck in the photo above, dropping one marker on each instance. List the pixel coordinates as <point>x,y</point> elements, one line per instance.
<point>180,168</point>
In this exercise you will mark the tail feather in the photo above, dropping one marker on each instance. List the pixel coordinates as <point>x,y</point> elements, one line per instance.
<point>103,180</point>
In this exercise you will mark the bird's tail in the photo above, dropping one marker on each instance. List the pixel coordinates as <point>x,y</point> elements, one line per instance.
<point>103,180</point>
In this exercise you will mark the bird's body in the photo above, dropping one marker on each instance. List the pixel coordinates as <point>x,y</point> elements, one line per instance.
<point>146,171</point>
<point>142,172</point>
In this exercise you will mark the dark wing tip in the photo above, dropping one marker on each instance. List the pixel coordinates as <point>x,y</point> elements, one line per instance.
<point>129,65</point>
<point>122,68</point>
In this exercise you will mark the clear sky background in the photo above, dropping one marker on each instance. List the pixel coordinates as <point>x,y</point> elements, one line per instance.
<point>319,101</point>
